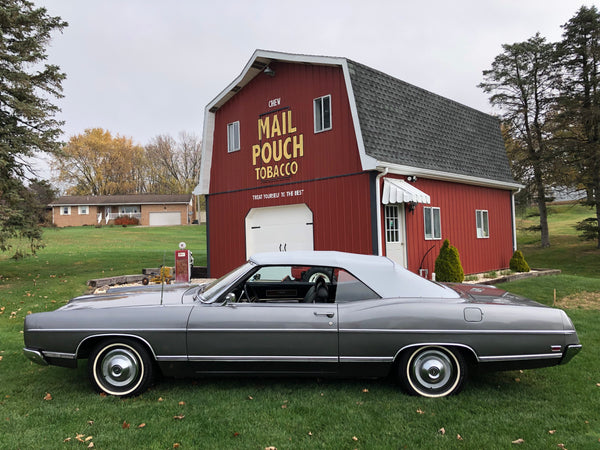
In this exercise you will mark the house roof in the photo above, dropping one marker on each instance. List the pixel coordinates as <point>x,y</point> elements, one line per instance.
<point>406,125</point>
<point>107,200</point>
<point>399,127</point>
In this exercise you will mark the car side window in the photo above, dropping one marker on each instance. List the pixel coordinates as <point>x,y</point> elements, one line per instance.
<point>286,284</point>
<point>351,289</point>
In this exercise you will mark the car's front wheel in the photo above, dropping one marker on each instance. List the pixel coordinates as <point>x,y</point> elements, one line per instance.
<point>120,367</point>
<point>432,371</point>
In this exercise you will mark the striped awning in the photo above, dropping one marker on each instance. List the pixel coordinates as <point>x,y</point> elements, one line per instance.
<point>399,191</point>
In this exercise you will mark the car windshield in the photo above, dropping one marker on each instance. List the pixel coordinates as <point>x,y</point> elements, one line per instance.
<point>212,290</point>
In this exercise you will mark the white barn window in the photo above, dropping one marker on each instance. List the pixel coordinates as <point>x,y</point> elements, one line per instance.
<point>322,108</point>
<point>433,225</point>
<point>233,137</point>
<point>481,221</point>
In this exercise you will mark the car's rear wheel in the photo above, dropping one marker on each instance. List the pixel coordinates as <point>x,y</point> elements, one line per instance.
<point>120,367</point>
<point>432,371</point>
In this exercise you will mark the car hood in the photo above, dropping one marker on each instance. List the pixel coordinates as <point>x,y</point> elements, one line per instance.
<point>136,296</point>
<point>481,293</point>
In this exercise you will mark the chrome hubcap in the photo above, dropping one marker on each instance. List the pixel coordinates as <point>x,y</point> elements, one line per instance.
<point>432,369</point>
<point>120,367</point>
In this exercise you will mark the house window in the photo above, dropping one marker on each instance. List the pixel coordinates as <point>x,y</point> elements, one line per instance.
<point>392,233</point>
<point>483,226</point>
<point>322,106</point>
<point>433,226</point>
<point>233,137</point>
<point>83,210</point>
<point>65,210</point>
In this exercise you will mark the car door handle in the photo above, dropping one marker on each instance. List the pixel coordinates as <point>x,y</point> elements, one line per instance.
<point>327,314</point>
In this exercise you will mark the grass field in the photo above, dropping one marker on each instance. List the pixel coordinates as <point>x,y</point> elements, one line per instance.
<point>51,407</point>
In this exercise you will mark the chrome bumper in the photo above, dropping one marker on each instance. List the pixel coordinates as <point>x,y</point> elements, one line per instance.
<point>570,352</point>
<point>36,356</point>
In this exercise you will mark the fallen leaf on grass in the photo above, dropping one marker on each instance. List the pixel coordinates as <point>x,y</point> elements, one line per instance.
<point>47,397</point>
<point>125,425</point>
<point>67,440</point>
<point>90,422</point>
<point>551,431</point>
<point>271,448</point>
<point>459,437</point>
<point>1,358</point>
<point>354,438</point>
<point>442,431</point>
<point>236,434</point>
<point>420,411</point>
<point>283,406</point>
<point>518,441</point>
<point>562,446</point>
<point>598,384</point>
<point>365,390</point>
<point>89,438</point>
<point>91,445</point>
<point>160,399</point>
<point>176,445</point>
<point>141,425</point>
<point>181,403</point>
<point>310,433</point>
<point>179,417</point>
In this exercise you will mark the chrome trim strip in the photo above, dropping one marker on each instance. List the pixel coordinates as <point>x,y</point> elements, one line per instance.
<point>519,357</point>
<point>332,329</point>
<point>236,358</point>
<point>430,331</point>
<point>106,330</point>
<point>172,358</point>
<point>59,355</point>
<point>370,359</point>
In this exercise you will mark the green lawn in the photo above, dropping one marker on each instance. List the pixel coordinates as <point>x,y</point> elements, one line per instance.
<point>51,407</point>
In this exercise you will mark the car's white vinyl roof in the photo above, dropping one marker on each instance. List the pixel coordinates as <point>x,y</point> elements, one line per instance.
<point>381,274</point>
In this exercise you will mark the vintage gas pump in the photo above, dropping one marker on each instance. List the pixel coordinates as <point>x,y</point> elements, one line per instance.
<point>183,264</point>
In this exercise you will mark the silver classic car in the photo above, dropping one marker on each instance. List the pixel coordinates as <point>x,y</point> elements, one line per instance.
<point>302,313</point>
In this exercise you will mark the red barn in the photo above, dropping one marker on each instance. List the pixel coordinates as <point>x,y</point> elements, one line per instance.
<point>311,152</point>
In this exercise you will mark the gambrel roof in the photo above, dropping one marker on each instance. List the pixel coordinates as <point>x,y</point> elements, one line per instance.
<point>399,127</point>
<point>406,125</point>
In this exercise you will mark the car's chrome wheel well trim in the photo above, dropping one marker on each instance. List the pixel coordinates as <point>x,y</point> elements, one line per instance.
<point>445,345</point>
<point>115,335</point>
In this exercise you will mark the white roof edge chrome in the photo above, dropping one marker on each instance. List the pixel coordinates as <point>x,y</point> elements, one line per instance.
<point>399,169</point>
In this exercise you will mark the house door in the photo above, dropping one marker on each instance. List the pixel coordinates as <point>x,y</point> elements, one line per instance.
<point>279,229</point>
<point>395,236</point>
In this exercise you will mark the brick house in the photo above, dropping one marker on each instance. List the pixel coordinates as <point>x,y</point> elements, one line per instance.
<point>149,209</point>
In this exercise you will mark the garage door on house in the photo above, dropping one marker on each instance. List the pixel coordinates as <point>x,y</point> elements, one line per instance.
<point>157,219</point>
<point>279,229</point>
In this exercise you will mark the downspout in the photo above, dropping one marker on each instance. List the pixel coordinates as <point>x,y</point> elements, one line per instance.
<point>514,219</point>
<point>378,197</point>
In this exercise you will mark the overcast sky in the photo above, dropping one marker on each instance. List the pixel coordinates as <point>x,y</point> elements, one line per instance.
<point>141,68</point>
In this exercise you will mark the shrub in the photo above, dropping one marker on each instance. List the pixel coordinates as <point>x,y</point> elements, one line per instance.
<point>518,263</point>
<point>447,265</point>
<point>589,229</point>
<point>126,221</point>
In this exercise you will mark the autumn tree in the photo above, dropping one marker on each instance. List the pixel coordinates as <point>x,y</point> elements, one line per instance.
<point>96,163</point>
<point>579,106</point>
<point>173,165</point>
<point>28,125</point>
<point>522,84</point>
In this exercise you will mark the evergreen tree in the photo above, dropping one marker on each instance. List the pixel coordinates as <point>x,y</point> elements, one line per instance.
<point>27,116</point>
<point>521,84</point>
<point>579,108</point>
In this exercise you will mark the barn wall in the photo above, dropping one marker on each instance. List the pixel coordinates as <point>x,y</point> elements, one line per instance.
<point>457,203</point>
<point>341,217</point>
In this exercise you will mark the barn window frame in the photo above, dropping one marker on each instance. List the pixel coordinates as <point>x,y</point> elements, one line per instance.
<point>233,136</point>
<point>482,223</point>
<point>322,113</point>
<point>432,223</point>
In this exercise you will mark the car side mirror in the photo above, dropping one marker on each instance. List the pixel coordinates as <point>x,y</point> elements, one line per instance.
<point>230,298</point>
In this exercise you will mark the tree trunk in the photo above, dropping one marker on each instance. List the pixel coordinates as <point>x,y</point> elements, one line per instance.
<point>541,201</point>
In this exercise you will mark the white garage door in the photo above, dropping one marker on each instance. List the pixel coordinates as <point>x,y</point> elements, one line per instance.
<point>157,219</point>
<point>279,229</point>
